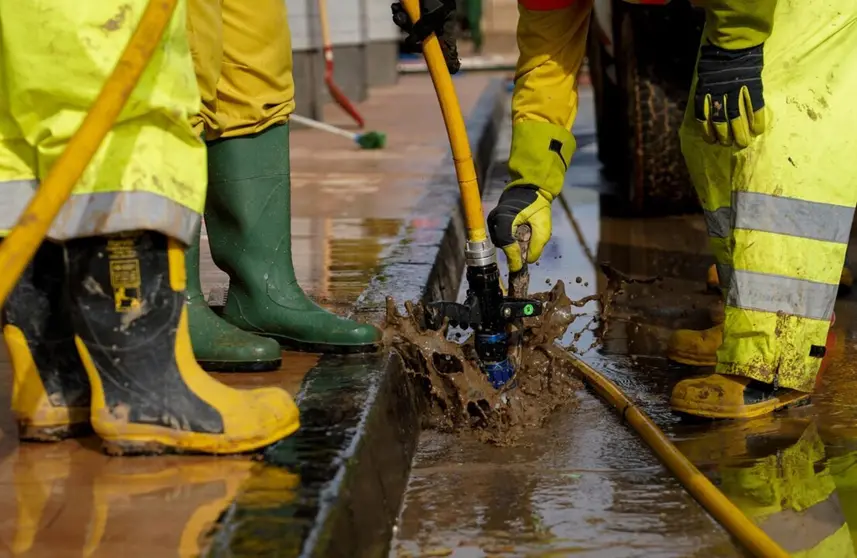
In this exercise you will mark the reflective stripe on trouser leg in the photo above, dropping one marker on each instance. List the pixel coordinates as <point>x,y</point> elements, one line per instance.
<point>149,172</point>
<point>101,213</point>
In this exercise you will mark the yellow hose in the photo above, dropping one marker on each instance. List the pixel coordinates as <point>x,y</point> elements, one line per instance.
<point>465,170</point>
<point>22,242</point>
<point>709,496</point>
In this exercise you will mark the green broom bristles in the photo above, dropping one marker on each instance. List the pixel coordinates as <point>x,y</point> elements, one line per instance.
<point>372,140</point>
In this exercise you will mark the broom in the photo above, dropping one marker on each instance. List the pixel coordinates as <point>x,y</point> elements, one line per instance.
<point>332,88</point>
<point>366,140</point>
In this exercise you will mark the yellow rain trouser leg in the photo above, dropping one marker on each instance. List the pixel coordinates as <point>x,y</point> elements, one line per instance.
<point>242,53</point>
<point>248,94</point>
<point>149,172</point>
<point>552,44</point>
<point>779,211</point>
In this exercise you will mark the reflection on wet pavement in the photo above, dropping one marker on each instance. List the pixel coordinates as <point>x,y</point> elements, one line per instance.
<point>69,500</point>
<point>585,485</point>
<point>334,257</point>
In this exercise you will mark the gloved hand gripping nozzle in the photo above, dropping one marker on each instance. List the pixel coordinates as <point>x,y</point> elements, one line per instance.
<point>487,311</point>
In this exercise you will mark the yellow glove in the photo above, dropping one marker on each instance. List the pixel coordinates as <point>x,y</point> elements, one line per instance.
<point>538,160</point>
<point>517,206</point>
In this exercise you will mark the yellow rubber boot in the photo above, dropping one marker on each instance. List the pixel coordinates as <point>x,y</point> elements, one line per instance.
<point>695,348</point>
<point>50,392</point>
<point>719,396</point>
<point>149,395</point>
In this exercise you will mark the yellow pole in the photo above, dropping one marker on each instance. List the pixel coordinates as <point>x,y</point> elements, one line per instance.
<point>471,199</point>
<point>18,248</point>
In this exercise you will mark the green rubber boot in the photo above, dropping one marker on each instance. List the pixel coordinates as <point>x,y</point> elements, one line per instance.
<point>218,345</point>
<point>248,215</point>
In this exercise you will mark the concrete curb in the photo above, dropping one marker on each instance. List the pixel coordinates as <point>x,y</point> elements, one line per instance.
<point>349,463</point>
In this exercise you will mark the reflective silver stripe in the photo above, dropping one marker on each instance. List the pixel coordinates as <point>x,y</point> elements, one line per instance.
<point>796,531</point>
<point>719,222</point>
<point>793,217</point>
<point>775,293</point>
<point>103,213</point>
<point>724,275</point>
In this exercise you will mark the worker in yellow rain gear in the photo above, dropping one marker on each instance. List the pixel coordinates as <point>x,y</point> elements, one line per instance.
<point>764,137</point>
<point>778,211</point>
<point>97,327</point>
<point>776,471</point>
<point>243,57</point>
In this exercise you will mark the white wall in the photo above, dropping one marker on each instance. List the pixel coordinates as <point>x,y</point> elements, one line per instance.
<point>299,24</point>
<point>379,20</point>
<point>347,19</point>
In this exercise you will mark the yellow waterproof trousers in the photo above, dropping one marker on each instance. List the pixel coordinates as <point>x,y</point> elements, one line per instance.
<point>242,52</point>
<point>779,211</point>
<point>149,172</point>
<point>552,44</point>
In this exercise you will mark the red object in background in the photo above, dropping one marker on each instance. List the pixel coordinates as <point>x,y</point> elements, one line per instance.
<point>335,92</point>
<point>327,46</point>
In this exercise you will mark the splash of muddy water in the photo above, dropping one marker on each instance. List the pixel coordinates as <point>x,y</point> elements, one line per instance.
<point>457,393</point>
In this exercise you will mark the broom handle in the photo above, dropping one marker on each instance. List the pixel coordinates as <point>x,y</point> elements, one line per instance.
<point>323,127</point>
<point>325,31</point>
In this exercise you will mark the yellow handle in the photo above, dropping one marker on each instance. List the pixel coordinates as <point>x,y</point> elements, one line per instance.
<point>18,248</point>
<point>455,129</point>
<point>325,25</point>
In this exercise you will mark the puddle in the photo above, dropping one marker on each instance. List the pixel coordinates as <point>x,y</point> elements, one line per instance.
<point>458,393</point>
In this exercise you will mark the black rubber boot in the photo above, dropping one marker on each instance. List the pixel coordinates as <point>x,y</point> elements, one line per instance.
<point>149,395</point>
<point>50,393</point>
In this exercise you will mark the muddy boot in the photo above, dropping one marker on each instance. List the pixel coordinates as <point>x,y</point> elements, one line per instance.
<point>149,395</point>
<point>50,392</point>
<point>218,345</point>
<point>719,396</point>
<point>248,217</point>
<point>695,348</point>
